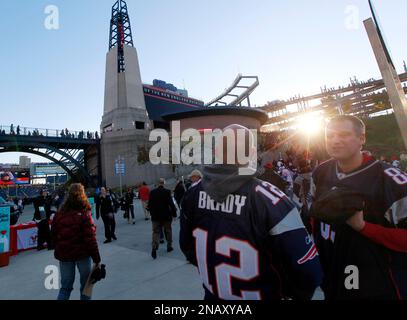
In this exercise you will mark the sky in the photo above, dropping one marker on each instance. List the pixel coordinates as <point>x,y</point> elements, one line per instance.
<point>55,78</point>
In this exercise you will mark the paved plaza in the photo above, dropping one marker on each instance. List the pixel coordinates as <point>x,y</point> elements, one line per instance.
<point>131,272</point>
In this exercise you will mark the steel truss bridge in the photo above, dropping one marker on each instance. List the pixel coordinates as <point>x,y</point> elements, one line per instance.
<point>77,153</point>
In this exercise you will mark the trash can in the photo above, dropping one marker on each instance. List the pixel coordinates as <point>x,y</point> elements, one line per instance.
<point>4,259</point>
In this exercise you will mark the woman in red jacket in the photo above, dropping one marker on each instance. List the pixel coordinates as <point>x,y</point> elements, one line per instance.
<point>74,235</point>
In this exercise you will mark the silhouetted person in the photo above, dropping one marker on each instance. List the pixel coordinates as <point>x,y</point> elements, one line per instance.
<point>107,214</point>
<point>129,206</point>
<point>162,211</point>
<point>42,214</point>
<point>179,192</point>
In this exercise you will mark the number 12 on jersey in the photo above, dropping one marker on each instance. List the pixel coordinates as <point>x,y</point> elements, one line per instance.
<point>247,270</point>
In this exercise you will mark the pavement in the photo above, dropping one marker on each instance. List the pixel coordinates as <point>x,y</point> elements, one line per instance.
<point>131,272</point>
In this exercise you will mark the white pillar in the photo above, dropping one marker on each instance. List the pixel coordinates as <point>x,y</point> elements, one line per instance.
<point>391,80</point>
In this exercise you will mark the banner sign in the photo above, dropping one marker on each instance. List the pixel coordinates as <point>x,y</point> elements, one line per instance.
<point>27,238</point>
<point>119,166</point>
<point>4,229</point>
<point>92,204</point>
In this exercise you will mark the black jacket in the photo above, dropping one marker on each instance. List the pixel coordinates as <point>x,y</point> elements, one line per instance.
<point>44,202</point>
<point>106,205</point>
<point>179,192</point>
<point>128,199</point>
<point>161,205</point>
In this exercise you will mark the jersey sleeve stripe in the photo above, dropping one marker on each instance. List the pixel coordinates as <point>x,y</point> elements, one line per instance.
<point>292,221</point>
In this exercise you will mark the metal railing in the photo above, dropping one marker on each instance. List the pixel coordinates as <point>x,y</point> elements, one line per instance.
<point>54,133</point>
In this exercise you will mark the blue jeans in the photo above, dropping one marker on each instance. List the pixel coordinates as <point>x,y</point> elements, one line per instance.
<point>68,277</point>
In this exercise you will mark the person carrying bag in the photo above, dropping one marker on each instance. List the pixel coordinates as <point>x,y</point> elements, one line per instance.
<point>74,236</point>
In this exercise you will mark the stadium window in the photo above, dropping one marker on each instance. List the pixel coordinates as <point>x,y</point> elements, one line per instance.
<point>139,125</point>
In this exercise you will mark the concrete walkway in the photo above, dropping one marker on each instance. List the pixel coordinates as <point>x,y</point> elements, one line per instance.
<point>131,272</point>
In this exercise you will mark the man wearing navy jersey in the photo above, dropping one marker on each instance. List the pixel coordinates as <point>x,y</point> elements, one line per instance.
<point>374,241</point>
<point>247,238</point>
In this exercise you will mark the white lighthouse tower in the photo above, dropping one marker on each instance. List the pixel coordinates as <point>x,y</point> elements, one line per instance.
<point>125,123</point>
<point>124,107</point>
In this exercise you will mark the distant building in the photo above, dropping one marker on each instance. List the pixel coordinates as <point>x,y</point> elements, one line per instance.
<point>182,92</point>
<point>24,162</point>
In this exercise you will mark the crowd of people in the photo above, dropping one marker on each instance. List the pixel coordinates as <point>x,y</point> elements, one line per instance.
<point>65,224</point>
<point>267,217</point>
<point>81,135</point>
<point>64,133</point>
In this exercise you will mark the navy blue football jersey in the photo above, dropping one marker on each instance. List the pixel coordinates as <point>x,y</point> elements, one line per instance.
<point>382,272</point>
<point>253,246</point>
